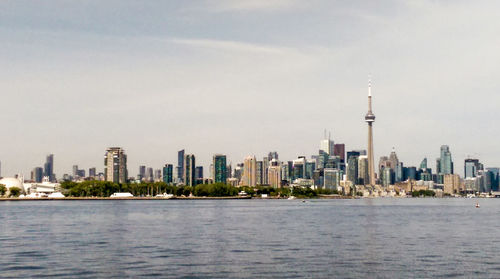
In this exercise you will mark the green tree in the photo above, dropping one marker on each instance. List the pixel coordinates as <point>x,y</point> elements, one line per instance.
<point>15,191</point>
<point>3,190</point>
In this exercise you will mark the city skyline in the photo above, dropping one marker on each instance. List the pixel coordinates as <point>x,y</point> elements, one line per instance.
<point>168,80</point>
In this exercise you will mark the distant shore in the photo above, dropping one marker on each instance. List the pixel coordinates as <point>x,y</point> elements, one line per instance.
<point>172,198</point>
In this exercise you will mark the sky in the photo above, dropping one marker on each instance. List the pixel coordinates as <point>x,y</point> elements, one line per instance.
<point>245,78</point>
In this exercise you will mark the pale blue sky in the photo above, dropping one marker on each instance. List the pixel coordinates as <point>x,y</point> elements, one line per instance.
<point>245,77</point>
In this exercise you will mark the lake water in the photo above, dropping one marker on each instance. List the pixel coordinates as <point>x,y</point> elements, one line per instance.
<point>375,238</point>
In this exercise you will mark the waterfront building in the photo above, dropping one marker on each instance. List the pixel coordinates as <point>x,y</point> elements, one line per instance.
<point>339,150</point>
<point>158,175</point>
<point>423,164</point>
<point>219,168</point>
<point>322,159</point>
<point>387,177</point>
<point>149,175</point>
<point>494,173</point>
<point>410,173</point>
<point>249,177</point>
<point>37,174</point>
<point>115,161</point>
<point>285,172</point>
<point>189,178</point>
<point>446,162</point>
<point>265,171</point>
<point>309,168</point>
<point>48,168</point>
<point>238,171</point>
<point>168,173</point>
<point>352,169</point>
<point>370,119</point>
<point>275,173</point>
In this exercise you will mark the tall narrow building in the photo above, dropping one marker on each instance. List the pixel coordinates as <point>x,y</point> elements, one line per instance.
<point>219,168</point>
<point>249,177</point>
<point>189,170</point>
<point>370,118</point>
<point>115,161</point>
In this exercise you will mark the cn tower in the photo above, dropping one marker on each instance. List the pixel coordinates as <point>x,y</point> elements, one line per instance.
<point>370,118</point>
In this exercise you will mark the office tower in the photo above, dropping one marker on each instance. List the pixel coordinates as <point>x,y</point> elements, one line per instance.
<point>229,171</point>
<point>410,173</point>
<point>168,173</point>
<point>142,173</point>
<point>249,177</point>
<point>370,119</point>
<point>265,171</point>
<point>309,169</point>
<point>327,145</point>
<point>387,177</point>
<point>180,166</point>
<point>339,150</point>
<point>75,171</point>
<point>494,178</point>
<point>352,169</point>
<point>423,164</point>
<point>299,168</point>
<point>274,173</point>
<point>259,173</point>
<point>149,175</point>
<point>318,176</point>
<point>198,175</point>
<point>285,172</point>
<point>189,170</point>
<point>272,155</point>
<point>363,176</point>
<point>451,184</point>
<point>115,165</point>
<point>393,158</point>
<point>383,163</point>
<point>48,168</point>
<point>80,173</point>
<point>238,171</point>
<point>446,163</point>
<point>158,176</point>
<point>219,168</point>
<point>322,159</point>
<point>471,167</point>
<point>332,178</point>
<point>37,174</point>
<point>92,172</point>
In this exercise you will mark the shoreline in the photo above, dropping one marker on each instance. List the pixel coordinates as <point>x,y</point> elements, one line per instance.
<point>173,198</point>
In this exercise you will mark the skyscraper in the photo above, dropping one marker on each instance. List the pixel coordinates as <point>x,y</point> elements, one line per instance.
<point>370,119</point>
<point>92,172</point>
<point>115,162</point>
<point>37,174</point>
<point>274,173</point>
<point>142,173</point>
<point>198,175</point>
<point>180,166</point>
<point>48,168</point>
<point>249,177</point>
<point>168,173</point>
<point>189,170</point>
<point>471,167</point>
<point>339,150</point>
<point>220,168</point>
<point>446,161</point>
<point>327,145</point>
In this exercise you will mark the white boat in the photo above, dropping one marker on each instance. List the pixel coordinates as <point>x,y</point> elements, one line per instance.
<point>291,198</point>
<point>164,196</point>
<point>56,195</point>
<point>122,195</point>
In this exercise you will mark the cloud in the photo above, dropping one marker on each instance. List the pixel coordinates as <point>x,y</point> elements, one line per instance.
<point>254,5</point>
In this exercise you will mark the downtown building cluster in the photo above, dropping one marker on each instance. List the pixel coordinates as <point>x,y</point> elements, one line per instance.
<point>332,168</point>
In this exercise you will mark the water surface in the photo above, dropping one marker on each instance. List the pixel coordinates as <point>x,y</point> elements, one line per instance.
<point>375,238</point>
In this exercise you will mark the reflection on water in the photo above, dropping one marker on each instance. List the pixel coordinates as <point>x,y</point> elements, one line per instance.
<point>250,238</point>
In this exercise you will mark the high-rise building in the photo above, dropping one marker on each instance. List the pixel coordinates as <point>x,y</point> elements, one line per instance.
<point>471,167</point>
<point>273,155</point>
<point>75,171</point>
<point>363,176</point>
<point>451,184</point>
<point>275,173</point>
<point>142,173</point>
<point>494,172</point>
<point>149,175</point>
<point>249,177</point>
<point>219,168</point>
<point>115,162</point>
<point>445,160</point>
<point>327,145</point>
<point>299,168</point>
<point>158,175</point>
<point>189,170</point>
<point>265,171</point>
<point>352,169</point>
<point>37,174</point>
<point>332,178</point>
<point>198,175</point>
<point>309,169</point>
<point>339,150</point>
<point>370,119</point>
<point>48,168</point>
<point>180,166</point>
<point>259,173</point>
<point>423,164</point>
<point>92,173</point>
<point>168,173</point>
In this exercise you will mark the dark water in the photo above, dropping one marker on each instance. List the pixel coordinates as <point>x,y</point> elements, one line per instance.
<point>374,238</point>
